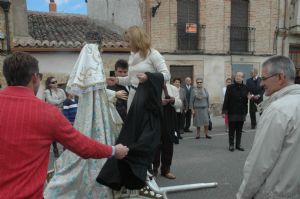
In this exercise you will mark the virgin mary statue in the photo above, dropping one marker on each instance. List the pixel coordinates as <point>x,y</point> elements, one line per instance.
<point>96,117</point>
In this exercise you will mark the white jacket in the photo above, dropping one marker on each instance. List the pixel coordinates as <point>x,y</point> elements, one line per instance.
<point>173,91</point>
<point>272,169</point>
<point>154,62</point>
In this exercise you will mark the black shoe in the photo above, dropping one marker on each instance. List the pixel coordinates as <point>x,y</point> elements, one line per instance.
<point>180,137</point>
<point>240,148</point>
<point>207,137</point>
<point>231,148</point>
<point>187,130</point>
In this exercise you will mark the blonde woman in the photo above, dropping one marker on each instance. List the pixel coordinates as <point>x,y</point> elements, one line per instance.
<point>142,59</point>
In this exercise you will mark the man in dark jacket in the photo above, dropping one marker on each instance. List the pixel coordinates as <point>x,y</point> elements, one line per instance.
<point>121,70</point>
<point>256,95</point>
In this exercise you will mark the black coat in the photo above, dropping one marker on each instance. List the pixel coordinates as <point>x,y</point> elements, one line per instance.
<point>141,133</point>
<point>236,100</point>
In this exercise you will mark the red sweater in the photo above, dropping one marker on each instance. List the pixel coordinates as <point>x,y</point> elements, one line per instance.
<point>28,126</point>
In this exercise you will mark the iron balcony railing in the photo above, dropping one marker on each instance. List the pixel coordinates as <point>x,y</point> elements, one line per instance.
<point>242,39</point>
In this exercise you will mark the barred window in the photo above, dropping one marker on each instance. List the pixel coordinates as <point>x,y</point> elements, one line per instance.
<point>187,24</point>
<point>239,30</point>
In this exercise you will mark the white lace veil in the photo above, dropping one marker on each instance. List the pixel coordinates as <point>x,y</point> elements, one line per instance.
<point>88,73</point>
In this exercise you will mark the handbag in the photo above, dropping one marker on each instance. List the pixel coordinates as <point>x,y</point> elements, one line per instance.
<point>209,123</point>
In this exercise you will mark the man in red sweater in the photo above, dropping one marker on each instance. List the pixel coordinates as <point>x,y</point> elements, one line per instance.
<point>28,126</point>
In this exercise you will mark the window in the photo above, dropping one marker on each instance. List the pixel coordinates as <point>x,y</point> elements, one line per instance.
<point>242,37</point>
<point>295,55</point>
<point>181,71</point>
<point>187,25</point>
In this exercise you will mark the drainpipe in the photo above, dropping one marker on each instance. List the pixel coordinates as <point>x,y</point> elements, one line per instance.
<point>148,17</point>
<point>5,4</point>
<point>285,33</point>
<point>275,44</point>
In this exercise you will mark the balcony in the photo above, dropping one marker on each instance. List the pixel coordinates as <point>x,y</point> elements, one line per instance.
<point>242,40</point>
<point>191,42</point>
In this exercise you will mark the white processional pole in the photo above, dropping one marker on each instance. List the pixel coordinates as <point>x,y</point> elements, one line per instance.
<point>164,190</point>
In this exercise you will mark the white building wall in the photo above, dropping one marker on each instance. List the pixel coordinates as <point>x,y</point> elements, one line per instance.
<point>122,13</point>
<point>61,64</point>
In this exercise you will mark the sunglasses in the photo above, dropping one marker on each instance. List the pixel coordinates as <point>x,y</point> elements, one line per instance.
<point>54,82</point>
<point>199,82</point>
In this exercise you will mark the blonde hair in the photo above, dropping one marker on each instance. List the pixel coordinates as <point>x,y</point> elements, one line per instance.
<point>139,40</point>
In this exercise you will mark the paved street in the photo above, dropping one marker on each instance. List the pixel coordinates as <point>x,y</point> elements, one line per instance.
<point>203,160</point>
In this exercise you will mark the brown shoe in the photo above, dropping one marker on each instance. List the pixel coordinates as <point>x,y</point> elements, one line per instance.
<point>169,175</point>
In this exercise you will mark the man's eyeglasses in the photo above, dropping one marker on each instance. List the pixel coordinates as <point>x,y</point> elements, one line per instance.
<point>54,82</point>
<point>199,82</point>
<point>265,78</point>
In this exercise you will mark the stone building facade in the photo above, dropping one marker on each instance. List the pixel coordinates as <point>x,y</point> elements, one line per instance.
<point>288,30</point>
<point>230,35</point>
<point>222,28</point>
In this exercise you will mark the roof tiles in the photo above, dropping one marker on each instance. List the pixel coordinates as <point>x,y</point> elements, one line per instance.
<point>54,30</point>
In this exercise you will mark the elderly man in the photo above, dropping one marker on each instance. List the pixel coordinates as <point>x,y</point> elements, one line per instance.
<point>188,87</point>
<point>272,169</point>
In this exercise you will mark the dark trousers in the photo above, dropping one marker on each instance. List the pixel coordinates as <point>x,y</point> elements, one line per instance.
<point>235,130</point>
<point>164,154</point>
<point>164,151</point>
<point>180,122</point>
<point>187,119</point>
<point>252,111</point>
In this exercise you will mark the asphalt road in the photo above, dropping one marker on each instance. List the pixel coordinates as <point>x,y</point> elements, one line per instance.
<point>204,160</point>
